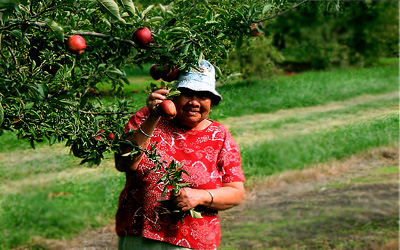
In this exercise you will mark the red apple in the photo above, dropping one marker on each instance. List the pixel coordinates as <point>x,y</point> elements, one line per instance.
<point>142,37</point>
<point>76,44</point>
<point>110,136</point>
<point>167,109</point>
<point>171,75</point>
<point>157,71</point>
<point>98,137</point>
<point>254,31</point>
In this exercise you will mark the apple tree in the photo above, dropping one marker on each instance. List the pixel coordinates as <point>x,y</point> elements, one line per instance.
<point>48,89</point>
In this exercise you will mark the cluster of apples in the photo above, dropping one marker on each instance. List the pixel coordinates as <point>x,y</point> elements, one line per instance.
<point>76,44</point>
<point>166,72</point>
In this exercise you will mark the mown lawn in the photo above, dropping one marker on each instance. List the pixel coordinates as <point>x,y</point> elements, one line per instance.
<point>46,194</point>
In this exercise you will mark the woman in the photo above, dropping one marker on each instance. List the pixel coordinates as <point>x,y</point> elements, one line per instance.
<point>209,154</point>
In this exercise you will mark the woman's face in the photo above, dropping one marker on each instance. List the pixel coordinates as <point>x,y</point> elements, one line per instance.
<point>192,107</point>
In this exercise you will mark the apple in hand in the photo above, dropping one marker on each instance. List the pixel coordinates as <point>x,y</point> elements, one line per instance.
<point>76,44</point>
<point>167,109</point>
<point>142,37</point>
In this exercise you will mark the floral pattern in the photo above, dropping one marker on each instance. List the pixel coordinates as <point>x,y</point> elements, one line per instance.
<point>210,156</point>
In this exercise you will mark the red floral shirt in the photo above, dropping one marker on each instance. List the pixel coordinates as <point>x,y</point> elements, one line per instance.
<point>210,156</point>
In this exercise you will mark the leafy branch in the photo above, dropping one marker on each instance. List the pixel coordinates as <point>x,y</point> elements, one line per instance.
<point>171,176</point>
<point>281,13</point>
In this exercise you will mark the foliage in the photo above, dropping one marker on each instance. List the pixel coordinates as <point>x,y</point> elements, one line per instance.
<point>257,60</point>
<point>337,33</point>
<point>47,92</point>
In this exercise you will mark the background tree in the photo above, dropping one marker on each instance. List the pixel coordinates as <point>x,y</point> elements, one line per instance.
<point>337,34</point>
<point>47,92</point>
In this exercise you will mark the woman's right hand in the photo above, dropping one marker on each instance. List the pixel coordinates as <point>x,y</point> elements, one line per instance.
<point>156,98</point>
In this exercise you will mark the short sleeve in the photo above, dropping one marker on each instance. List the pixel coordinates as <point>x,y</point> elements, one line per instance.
<point>137,119</point>
<point>229,161</point>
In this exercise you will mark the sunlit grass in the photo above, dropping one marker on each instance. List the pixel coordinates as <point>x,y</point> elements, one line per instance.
<point>303,90</point>
<point>296,151</point>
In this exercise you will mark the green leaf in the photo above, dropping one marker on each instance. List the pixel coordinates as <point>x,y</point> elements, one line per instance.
<point>1,114</point>
<point>155,19</point>
<point>195,214</point>
<point>200,57</point>
<point>43,90</point>
<point>115,71</point>
<point>212,22</point>
<point>266,8</point>
<point>186,49</point>
<point>8,4</point>
<point>130,7</point>
<point>147,10</point>
<point>17,34</point>
<point>218,72</point>
<point>52,139</point>
<point>173,93</point>
<point>111,8</point>
<point>29,105</point>
<point>56,28</point>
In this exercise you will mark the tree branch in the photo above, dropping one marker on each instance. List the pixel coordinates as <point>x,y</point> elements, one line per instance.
<point>95,34</point>
<point>281,13</point>
<point>105,113</point>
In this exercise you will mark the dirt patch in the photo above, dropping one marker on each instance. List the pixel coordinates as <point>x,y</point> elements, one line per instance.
<point>341,205</point>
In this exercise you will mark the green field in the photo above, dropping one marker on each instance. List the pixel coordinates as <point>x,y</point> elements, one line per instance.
<point>284,123</point>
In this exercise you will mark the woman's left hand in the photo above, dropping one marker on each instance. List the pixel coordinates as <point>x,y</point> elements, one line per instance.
<point>188,198</point>
<point>229,195</point>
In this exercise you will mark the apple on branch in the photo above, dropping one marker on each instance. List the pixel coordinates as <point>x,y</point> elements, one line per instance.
<point>76,44</point>
<point>142,37</point>
<point>255,30</point>
<point>165,72</point>
<point>156,71</point>
<point>171,74</point>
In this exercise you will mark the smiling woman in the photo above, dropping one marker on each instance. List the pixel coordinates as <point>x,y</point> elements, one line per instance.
<point>193,109</point>
<point>209,155</point>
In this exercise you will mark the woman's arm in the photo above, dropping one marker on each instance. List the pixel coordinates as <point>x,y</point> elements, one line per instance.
<point>229,195</point>
<point>141,137</point>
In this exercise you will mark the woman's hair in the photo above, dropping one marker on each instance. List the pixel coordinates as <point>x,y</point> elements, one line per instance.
<point>215,100</point>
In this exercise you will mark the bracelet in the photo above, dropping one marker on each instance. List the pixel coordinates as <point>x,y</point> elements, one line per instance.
<point>144,133</point>
<point>212,198</point>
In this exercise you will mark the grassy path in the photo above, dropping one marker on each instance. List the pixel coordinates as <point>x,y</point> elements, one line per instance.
<point>261,127</point>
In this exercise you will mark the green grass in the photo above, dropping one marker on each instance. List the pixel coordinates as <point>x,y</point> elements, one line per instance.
<point>28,177</point>
<point>388,61</point>
<point>297,151</point>
<point>60,207</point>
<point>303,90</point>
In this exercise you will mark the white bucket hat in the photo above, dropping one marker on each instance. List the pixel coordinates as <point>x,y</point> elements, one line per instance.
<point>200,80</point>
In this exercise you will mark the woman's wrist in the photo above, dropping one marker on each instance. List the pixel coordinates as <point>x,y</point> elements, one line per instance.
<point>209,198</point>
